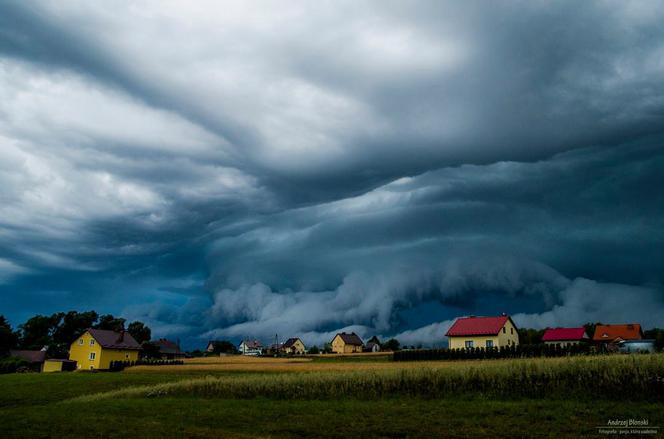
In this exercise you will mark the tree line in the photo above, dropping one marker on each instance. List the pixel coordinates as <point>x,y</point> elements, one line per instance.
<point>57,331</point>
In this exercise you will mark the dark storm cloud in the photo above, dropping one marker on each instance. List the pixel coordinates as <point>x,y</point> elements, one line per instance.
<point>220,170</point>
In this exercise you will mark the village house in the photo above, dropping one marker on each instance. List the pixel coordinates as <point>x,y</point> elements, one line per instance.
<point>373,345</point>
<point>96,348</point>
<point>607,337</point>
<point>565,336</point>
<point>485,332</point>
<point>168,350</point>
<point>344,343</point>
<point>294,346</point>
<point>35,358</point>
<point>250,347</point>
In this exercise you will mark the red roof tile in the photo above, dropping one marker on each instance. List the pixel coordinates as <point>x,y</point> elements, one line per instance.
<point>564,334</point>
<point>477,326</point>
<point>630,331</point>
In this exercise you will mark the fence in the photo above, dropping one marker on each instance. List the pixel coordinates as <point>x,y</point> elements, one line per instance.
<point>519,351</point>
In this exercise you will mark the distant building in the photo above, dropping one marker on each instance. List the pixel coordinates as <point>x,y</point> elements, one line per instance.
<point>294,346</point>
<point>96,348</point>
<point>485,332</point>
<point>636,346</point>
<point>565,336</point>
<point>58,365</point>
<point>373,345</point>
<point>168,350</point>
<point>607,337</point>
<point>250,347</point>
<point>35,358</point>
<point>344,343</point>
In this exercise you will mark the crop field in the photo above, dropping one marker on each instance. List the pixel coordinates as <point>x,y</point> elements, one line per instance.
<point>339,396</point>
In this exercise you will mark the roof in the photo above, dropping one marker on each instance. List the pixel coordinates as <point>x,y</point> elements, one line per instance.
<point>374,339</point>
<point>114,340</point>
<point>167,346</point>
<point>630,331</point>
<point>252,344</point>
<point>564,334</point>
<point>477,326</point>
<point>31,356</point>
<point>352,339</point>
<point>290,342</point>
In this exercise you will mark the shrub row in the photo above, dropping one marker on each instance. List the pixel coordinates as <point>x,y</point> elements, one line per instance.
<point>117,366</point>
<point>519,351</point>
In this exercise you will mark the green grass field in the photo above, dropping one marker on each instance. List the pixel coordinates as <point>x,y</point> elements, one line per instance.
<point>236,397</point>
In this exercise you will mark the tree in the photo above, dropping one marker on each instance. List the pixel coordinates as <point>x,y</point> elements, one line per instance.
<point>657,335</point>
<point>313,350</point>
<point>73,325</point>
<point>391,345</point>
<point>38,331</point>
<point>150,350</point>
<point>224,347</point>
<point>107,321</point>
<point>590,328</point>
<point>8,338</point>
<point>530,336</point>
<point>139,331</point>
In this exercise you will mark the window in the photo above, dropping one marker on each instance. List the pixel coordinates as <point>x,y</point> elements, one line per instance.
<point>504,330</point>
<point>127,356</point>
<point>92,356</point>
<point>489,343</point>
<point>511,330</point>
<point>469,344</point>
<point>80,342</point>
<point>92,342</point>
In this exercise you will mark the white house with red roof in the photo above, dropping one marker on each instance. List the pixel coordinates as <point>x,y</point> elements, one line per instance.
<point>250,347</point>
<point>482,332</point>
<point>565,336</point>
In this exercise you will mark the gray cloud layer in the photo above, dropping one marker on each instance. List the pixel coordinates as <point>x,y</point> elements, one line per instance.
<point>223,170</point>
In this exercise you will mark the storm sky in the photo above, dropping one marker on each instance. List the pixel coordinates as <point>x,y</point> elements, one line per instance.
<point>234,169</point>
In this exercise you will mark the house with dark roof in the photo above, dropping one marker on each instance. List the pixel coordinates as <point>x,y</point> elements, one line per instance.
<point>250,347</point>
<point>35,358</point>
<point>294,346</point>
<point>484,332</point>
<point>344,343</point>
<point>373,345</point>
<point>97,348</point>
<point>168,350</point>
<point>565,336</point>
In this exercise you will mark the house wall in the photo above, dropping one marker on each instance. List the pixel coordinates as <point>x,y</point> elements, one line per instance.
<point>108,355</point>
<point>81,352</point>
<point>564,343</point>
<point>507,336</point>
<point>297,348</point>
<point>52,366</point>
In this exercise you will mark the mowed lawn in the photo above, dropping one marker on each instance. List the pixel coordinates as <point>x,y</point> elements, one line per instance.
<point>195,401</point>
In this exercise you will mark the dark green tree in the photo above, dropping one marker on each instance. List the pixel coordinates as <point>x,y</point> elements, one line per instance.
<point>224,347</point>
<point>139,331</point>
<point>73,325</point>
<point>391,345</point>
<point>8,338</point>
<point>150,350</point>
<point>313,350</point>
<point>38,331</point>
<point>107,321</point>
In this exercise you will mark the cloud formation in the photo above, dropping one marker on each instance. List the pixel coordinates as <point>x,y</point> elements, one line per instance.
<point>222,170</point>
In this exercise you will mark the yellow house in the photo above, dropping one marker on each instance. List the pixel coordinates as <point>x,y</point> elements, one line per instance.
<point>96,348</point>
<point>482,332</point>
<point>344,343</point>
<point>294,346</point>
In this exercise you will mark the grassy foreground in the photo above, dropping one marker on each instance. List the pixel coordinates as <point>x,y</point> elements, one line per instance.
<point>566,397</point>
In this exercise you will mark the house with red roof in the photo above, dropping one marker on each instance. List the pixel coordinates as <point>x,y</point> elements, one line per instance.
<point>565,336</point>
<point>250,347</point>
<point>482,332</point>
<point>609,336</point>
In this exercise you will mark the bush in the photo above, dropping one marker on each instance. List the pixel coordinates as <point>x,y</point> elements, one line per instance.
<point>12,364</point>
